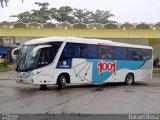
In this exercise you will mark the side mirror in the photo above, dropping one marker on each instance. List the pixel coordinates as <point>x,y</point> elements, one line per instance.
<point>15,52</point>
<point>36,49</point>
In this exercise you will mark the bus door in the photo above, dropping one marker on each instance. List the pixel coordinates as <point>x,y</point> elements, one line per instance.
<point>45,57</point>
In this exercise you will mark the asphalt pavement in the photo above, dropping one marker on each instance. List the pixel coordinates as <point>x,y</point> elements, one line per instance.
<point>143,97</point>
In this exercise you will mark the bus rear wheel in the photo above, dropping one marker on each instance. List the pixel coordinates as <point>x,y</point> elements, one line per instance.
<point>129,80</point>
<point>62,81</point>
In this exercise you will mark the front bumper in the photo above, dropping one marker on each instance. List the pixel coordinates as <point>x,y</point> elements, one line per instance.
<point>25,80</point>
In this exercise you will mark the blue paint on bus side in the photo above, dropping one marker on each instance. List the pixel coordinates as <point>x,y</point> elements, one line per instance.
<point>64,64</point>
<point>96,76</point>
<point>120,64</point>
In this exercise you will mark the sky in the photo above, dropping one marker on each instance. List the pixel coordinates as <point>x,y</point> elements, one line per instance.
<point>133,11</point>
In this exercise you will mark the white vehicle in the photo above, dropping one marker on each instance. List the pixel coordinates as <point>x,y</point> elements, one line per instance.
<point>61,61</point>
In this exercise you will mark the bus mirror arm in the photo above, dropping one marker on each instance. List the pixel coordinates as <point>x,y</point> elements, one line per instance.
<point>36,49</point>
<point>13,54</point>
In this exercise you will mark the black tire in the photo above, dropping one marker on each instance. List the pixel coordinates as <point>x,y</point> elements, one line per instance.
<point>62,81</point>
<point>129,80</point>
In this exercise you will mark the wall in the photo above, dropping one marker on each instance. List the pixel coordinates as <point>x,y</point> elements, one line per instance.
<point>156,50</point>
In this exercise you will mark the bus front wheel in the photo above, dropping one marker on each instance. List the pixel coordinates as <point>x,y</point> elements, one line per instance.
<point>62,81</point>
<point>129,80</point>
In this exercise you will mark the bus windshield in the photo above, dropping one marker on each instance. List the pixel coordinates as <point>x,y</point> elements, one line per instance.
<point>26,61</point>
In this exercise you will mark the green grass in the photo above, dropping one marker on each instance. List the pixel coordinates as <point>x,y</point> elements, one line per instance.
<point>3,68</point>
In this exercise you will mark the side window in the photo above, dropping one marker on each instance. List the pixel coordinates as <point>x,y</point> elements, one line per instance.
<point>83,50</point>
<point>105,52</point>
<point>76,50</point>
<point>120,53</point>
<point>134,54</point>
<point>91,51</point>
<point>68,51</point>
<point>46,56</point>
<point>146,54</point>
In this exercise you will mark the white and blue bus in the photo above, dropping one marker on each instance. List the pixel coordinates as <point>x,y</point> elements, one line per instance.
<point>67,60</point>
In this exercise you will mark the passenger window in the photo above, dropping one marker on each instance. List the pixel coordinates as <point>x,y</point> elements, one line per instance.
<point>134,54</point>
<point>146,54</point>
<point>105,52</point>
<point>92,51</point>
<point>120,53</point>
<point>68,51</point>
<point>71,50</point>
<point>76,50</point>
<point>83,51</point>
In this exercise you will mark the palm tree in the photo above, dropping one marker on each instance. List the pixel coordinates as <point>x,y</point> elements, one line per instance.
<point>82,15</point>
<point>102,17</point>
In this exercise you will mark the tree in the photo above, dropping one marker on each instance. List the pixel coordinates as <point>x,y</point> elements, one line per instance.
<point>23,17</point>
<point>102,17</point>
<point>64,14</point>
<point>53,13</point>
<point>83,16</point>
<point>42,15</point>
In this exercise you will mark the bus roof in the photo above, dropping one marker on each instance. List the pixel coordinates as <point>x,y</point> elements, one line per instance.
<point>83,40</point>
